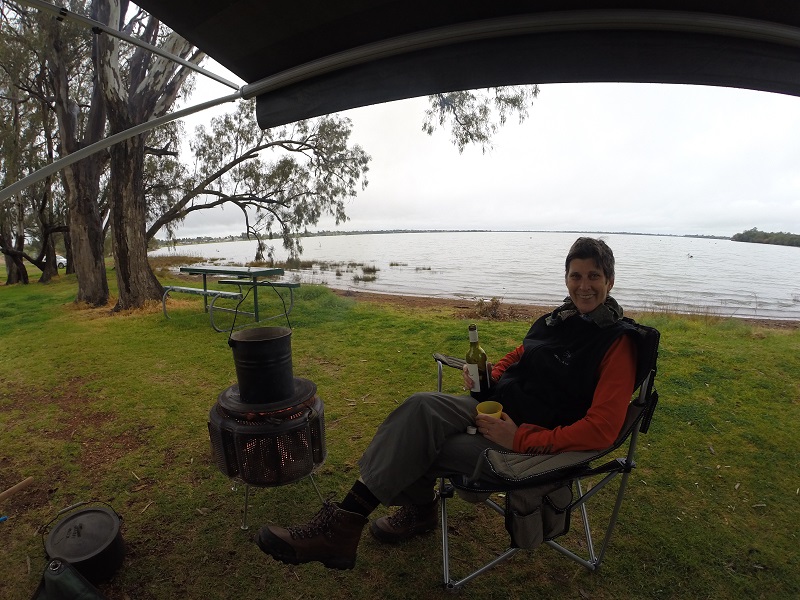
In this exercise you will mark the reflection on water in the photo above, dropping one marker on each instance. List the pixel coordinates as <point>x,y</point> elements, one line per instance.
<point>695,275</point>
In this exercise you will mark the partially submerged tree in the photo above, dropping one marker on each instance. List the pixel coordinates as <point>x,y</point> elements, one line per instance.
<point>282,179</point>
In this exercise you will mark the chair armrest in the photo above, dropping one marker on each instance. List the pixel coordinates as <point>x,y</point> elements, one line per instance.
<point>450,361</point>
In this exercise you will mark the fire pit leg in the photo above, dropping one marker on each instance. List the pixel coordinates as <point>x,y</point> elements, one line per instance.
<point>245,526</point>
<point>314,483</point>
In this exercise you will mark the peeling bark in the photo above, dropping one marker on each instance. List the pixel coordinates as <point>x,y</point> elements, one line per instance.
<point>136,281</point>
<point>81,180</point>
<point>152,87</point>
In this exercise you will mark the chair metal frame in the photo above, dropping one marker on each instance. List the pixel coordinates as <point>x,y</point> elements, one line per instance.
<point>640,412</point>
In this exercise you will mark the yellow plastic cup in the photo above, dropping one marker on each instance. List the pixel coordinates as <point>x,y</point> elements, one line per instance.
<point>490,408</point>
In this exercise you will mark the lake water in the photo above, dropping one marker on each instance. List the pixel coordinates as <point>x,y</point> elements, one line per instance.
<point>694,275</point>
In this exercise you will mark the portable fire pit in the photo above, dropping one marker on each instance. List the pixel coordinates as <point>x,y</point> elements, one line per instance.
<point>268,429</point>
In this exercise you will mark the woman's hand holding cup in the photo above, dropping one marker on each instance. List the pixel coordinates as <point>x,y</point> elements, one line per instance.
<point>495,425</point>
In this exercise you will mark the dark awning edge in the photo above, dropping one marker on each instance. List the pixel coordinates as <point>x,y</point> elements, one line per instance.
<point>593,46</point>
<point>556,22</point>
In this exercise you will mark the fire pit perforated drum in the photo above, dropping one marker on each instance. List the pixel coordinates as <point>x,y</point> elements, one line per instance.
<point>269,428</point>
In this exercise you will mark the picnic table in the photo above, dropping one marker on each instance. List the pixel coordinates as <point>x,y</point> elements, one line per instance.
<point>243,277</point>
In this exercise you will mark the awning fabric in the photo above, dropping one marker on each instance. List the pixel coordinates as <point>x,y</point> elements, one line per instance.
<point>305,58</point>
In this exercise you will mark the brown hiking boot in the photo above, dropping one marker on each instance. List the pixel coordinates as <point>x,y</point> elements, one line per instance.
<point>406,522</point>
<point>331,538</point>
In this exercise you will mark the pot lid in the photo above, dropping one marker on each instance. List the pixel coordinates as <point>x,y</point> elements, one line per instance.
<point>83,534</point>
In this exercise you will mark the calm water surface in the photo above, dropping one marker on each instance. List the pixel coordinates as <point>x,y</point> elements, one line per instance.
<point>653,272</point>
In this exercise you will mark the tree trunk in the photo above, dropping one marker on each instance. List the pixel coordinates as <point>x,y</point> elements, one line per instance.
<point>15,266</point>
<point>81,179</point>
<point>81,182</point>
<point>12,224</point>
<point>43,214</point>
<point>17,273</point>
<point>49,269</point>
<point>136,281</point>
<point>69,255</point>
<point>146,88</point>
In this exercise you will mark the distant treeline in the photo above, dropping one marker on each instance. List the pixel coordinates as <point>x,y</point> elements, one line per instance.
<point>764,237</point>
<point>326,232</point>
<point>751,235</point>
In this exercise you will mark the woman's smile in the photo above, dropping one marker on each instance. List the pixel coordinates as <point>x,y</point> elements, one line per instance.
<point>587,284</point>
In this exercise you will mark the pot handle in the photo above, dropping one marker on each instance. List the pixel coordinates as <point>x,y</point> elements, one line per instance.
<point>69,508</point>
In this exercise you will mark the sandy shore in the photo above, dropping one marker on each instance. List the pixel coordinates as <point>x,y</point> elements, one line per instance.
<point>468,309</point>
<point>526,312</point>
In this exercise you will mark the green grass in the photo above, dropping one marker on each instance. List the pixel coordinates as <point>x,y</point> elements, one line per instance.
<point>113,408</point>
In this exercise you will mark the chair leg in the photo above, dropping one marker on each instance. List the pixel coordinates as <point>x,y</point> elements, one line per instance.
<point>586,526</point>
<point>591,563</point>
<point>445,492</point>
<point>612,523</point>
<point>594,560</point>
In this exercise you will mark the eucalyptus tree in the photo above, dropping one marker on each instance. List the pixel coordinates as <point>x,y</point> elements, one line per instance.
<point>137,86</point>
<point>165,173</point>
<point>474,116</point>
<point>78,105</point>
<point>282,179</point>
<point>12,210</point>
<point>13,141</point>
<point>29,219</point>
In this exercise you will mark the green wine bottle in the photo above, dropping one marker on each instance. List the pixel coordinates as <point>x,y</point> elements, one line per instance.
<point>476,365</point>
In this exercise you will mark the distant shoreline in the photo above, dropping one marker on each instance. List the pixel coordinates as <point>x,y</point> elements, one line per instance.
<point>467,309</point>
<point>326,233</point>
<point>723,279</point>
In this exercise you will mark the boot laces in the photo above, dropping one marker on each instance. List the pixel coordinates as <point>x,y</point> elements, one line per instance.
<point>318,525</point>
<point>405,515</point>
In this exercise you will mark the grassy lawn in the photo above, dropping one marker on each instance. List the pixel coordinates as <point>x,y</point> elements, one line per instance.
<point>113,408</point>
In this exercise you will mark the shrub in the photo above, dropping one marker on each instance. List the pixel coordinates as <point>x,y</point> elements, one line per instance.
<point>490,309</point>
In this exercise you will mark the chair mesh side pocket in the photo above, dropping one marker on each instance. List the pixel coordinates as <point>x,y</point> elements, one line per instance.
<point>536,514</point>
<point>556,511</point>
<point>524,518</point>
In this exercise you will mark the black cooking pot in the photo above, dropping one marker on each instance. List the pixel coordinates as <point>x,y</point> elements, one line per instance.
<point>89,539</point>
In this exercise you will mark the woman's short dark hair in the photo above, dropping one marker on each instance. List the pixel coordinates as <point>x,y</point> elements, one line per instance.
<point>586,247</point>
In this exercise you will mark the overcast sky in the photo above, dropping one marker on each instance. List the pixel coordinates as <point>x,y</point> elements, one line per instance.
<point>590,157</point>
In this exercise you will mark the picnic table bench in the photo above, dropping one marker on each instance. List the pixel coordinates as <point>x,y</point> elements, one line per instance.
<point>290,285</point>
<point>206,293</point>
<point>245,277</point>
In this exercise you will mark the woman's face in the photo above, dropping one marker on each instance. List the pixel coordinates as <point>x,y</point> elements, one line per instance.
<point>587,284</point>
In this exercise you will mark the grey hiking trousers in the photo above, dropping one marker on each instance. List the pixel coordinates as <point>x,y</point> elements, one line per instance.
<point>422,439</point>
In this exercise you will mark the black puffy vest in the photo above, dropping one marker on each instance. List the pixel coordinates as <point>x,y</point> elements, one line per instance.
<point>553,383</point>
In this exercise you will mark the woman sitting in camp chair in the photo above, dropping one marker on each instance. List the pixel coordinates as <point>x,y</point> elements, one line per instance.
<point>565,388</point>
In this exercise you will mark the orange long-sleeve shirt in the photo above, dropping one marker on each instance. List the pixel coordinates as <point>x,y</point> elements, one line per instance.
<point>604,419</point>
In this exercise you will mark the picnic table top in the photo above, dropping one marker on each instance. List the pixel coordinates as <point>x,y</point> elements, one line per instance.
<point>232,270</point>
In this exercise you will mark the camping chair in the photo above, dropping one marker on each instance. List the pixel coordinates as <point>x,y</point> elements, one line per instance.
<point>545,482</point>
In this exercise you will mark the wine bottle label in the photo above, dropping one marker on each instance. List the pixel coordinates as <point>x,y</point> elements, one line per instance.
<point>474,374</point>
<point>473,335</point>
